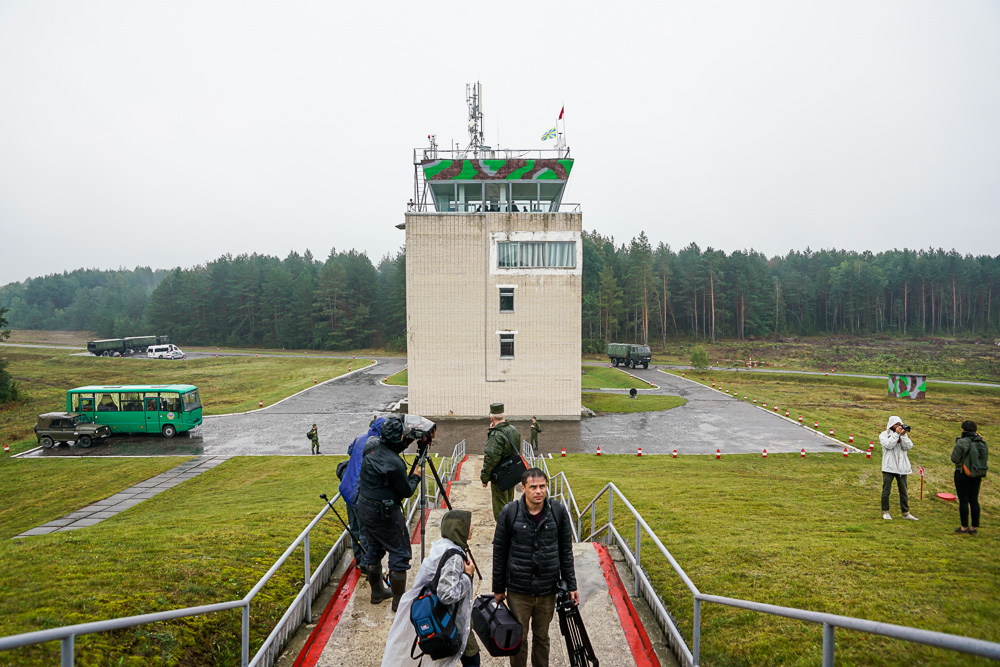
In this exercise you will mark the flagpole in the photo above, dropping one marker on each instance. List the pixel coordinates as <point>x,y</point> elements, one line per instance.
<point>562,113</point>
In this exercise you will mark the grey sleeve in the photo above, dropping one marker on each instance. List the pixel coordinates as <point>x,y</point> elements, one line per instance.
<point>453,586</point>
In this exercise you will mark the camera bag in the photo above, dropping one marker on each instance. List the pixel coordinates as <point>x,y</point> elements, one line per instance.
<point>433,621</point>
<point>508,472</point>
<point>495,625</point>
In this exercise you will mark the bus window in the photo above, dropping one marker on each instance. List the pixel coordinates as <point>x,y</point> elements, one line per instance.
<point>191,401</point>
<point>170,402</point>
<point>131,403</point>
<point>108,403</point>
<point>152,403</point>
<point>83,402</point>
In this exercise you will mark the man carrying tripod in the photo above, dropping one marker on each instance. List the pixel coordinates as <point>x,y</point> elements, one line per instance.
<point>502,440</point>
<point>382,488</point>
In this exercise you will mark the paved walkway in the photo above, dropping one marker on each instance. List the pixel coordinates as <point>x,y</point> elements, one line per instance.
<point>130,497</point>
<point>359,635</point>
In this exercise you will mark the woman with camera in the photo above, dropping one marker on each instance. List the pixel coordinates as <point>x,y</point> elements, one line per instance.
<point>895,441</point>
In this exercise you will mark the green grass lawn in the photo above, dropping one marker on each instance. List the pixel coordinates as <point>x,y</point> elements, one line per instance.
<point>607,402</point>
<point>604,377</point>
<point>399,379</point>
<point>861,407</point>
<point>207,540</point>
<point>227,384</point>
<point>804,533</point>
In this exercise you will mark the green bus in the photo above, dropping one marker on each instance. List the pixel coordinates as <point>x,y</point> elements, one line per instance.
<point>167,409</point>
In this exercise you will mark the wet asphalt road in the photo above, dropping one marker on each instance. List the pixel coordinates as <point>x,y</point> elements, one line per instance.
<point>343,408</point>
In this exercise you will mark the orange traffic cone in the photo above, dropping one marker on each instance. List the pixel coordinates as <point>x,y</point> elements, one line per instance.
<point>6,447</point>
<point>718,453</point>
<point>262,404</point>
<point>868,454</point>
<point>845,452</point>
<point>831,432</point>
<point>850,439</point>
<point>563,452</point>
<point>803,454</point>
<point>640,452</point>
<point>598,450</point>
<point>675,453</point>
<point>765,453</point>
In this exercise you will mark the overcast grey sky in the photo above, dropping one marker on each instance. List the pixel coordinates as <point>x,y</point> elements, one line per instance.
<point>168,133</point>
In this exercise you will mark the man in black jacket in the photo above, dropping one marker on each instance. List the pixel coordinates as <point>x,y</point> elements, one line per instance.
<point>532,550</point>
<point>382,487</point>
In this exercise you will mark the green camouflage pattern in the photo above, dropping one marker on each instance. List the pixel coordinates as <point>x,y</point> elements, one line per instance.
<point>497,170</point>
<point>907,386</point>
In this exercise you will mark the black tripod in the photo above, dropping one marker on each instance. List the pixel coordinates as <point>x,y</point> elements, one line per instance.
<point>424,460</point>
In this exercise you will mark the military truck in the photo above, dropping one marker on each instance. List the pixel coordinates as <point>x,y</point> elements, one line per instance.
<point>627,354</point>
<point>123,347</point>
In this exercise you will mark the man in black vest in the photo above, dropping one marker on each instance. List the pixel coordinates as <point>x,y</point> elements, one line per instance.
<point>532,550</point>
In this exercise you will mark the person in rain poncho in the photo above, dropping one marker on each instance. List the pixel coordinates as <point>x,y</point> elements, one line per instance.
<point>895,441</point>
<point>454,588</point>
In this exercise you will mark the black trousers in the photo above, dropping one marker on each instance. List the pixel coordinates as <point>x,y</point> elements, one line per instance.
<point>383,534</point>
<point>967,490</point>
<point>904,499</point>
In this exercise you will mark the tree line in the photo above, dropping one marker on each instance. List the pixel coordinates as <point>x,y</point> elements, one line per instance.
<point>631,293</point>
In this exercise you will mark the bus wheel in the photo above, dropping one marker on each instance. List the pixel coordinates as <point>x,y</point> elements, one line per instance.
<point>47,442</point>
<point>84,441</point>
<point>169,431</point>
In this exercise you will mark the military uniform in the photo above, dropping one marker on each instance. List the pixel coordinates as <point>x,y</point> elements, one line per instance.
<point>536,428</point>
<point>501,440</point>
<point>314,436</point>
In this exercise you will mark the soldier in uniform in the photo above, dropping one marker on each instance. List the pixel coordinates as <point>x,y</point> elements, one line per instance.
<point>314,436</point>
<point>536,428</point>
<point>382,487</point>
<point>501,440</point>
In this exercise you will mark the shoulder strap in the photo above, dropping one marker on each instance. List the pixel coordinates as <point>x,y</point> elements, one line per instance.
<point>444,558</point>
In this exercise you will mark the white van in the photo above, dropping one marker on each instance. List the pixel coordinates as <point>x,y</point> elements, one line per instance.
<point>164,352</point>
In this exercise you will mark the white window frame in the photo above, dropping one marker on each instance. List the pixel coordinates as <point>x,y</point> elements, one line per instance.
<point>512,335</point>
<point>498,237</point>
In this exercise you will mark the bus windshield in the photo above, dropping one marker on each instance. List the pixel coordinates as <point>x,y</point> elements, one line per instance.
<point>191,401</point>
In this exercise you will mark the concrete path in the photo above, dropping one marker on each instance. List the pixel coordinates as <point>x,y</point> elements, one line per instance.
<point>359,636</point>
<point>130,497</point>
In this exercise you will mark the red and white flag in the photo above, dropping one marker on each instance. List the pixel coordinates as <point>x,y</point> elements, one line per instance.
<point>561,112</point>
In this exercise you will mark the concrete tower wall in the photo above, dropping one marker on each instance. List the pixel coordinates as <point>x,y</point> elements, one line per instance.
<point>454,321</point>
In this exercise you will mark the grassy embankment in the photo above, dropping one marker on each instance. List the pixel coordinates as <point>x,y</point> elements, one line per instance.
<point>938,358</point>
<point>862,407</point>
<point>803,533</point>
<point>207,540</point>
<point>227,384</point>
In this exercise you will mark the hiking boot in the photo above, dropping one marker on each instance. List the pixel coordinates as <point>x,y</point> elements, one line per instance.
<point>910,517</point>
<point>397,581</point>
<point>379,591</point>
<point>885,515</point>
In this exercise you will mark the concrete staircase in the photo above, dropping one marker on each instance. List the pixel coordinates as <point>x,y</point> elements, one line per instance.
<point>358,637</point>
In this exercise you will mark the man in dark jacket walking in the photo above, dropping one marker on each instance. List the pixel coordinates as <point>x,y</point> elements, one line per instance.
<point>532,550</point>
<point>501,440</point>
<point>382,488</point>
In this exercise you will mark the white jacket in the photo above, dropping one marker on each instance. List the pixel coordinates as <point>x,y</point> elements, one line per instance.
<point>454,587</point>
<point>894,448</point>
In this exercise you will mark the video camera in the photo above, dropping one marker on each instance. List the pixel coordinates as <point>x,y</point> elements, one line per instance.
<point>418,429</point>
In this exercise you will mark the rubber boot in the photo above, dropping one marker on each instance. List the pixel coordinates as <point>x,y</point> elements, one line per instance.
<point>379,591</point>
<point>397,580</point>
<point>470,661</point>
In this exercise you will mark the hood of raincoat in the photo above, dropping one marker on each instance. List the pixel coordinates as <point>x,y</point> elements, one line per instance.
<point>392,434</point>
<point>455,526</point>
<point>893,420</point>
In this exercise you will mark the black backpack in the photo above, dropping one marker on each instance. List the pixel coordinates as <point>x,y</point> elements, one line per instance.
<point>433,621</point>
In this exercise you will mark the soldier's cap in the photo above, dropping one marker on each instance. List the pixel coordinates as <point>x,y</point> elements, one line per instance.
<point>496,408</point>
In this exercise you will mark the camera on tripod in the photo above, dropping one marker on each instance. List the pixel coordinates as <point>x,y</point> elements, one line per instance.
<point>418,429</point>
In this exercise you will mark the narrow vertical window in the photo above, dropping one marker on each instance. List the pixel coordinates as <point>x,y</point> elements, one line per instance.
<point>506,346</point>
<point>506,299</point>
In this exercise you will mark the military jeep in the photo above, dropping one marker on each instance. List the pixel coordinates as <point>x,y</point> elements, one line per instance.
<point>56,428</point>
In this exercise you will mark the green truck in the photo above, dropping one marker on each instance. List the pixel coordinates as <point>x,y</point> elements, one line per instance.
<point>123,347</point>
<point>626,354</point>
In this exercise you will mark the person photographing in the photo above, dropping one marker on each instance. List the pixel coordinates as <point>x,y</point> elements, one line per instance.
<point>895,441</point>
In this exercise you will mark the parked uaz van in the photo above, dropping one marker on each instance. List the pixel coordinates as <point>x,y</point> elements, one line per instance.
<point>170,351</point>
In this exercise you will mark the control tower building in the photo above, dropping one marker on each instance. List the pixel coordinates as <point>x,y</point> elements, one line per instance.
<point>493,280</point>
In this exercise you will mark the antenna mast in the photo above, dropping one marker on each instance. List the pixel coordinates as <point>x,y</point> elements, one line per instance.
<point>473,98</point>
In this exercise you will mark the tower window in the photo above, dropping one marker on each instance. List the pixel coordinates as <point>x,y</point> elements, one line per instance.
<point>506,346</point>
<point>506,299</point>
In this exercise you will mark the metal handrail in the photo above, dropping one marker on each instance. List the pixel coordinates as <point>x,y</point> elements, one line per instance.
<point>299,609</point>
<point>691,656</point>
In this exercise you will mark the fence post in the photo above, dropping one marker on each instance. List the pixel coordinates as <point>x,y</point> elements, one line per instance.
<point>245,640</point>
<point>66,652</point>
<point>828,631</point>
<point>306,583</point>
<point>593,508</point>
<point>611,509</point>
<point>638,561</point>
<point>696,649</point>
